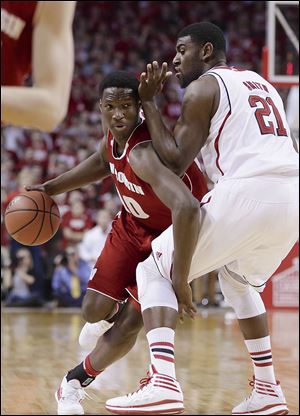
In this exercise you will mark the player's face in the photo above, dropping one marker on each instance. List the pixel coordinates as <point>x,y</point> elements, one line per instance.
<point>187,61</point>
<point>120,111</point>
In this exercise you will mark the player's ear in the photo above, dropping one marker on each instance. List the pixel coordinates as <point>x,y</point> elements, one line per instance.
<point>100,106</point>
<point>207,51</point>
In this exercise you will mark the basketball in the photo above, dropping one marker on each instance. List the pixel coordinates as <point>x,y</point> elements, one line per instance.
<point>32,218</point>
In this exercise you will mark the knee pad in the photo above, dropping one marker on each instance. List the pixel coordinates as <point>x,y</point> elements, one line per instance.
<point>153,289</point>
<point>245,300</point>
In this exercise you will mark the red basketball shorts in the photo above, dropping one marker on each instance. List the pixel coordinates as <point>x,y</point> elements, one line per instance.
<point>115,269</point>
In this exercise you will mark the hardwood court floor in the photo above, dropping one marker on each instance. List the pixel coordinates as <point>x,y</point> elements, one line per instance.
<point>212,363</point>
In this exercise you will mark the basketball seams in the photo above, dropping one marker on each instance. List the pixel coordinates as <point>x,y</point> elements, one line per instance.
<point>50,217</point>
<point>42,222</point>
<point>34,210</point>
<point>23,226</point>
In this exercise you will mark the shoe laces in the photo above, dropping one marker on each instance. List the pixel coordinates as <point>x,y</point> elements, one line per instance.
<point>143,383</point>
<point>76,394</point>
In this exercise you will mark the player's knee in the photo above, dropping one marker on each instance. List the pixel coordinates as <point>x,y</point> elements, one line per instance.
<point>153,289</point>
<point>96,308</point>
<point>245,301</point>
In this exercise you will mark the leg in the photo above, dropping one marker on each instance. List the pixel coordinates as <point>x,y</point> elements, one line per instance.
<point>255,327</point>
<point>96,307</point>
<point>267,396</point>
<point>113,272</point>
<point>99,311</point>
<point>119,340</point>
<point>112,346</point>
<point>161,393</point>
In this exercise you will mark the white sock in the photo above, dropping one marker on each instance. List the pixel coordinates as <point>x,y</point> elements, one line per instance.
<point>261,355</point>
<point>161,345</point>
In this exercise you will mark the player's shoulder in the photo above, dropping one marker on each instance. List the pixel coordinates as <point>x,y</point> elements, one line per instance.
<point>141,127</point>
<point>140,133</point>
<point>200,92</point>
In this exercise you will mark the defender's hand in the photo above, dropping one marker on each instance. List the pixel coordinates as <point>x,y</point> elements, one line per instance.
<point>152,81</point>
<point>183,293</point>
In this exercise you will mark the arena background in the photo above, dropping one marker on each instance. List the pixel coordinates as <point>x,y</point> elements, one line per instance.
<point>39,335</point>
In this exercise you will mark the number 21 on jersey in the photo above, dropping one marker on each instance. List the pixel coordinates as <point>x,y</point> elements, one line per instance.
<point>261,114</point>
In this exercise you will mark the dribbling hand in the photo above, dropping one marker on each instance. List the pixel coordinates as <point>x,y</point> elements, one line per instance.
<point>152,81</point>
<point>40,188</point>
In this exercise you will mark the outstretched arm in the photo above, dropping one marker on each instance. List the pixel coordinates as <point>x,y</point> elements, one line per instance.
<point>90,170</point>
<point>185,215</point>
<point>44,105</point>
<point>178,149</point>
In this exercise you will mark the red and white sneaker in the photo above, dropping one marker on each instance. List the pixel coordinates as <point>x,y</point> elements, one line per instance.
<point>158,394</point>
<point>69,396</point>
<point>90,334</point>
<point>265,399</point>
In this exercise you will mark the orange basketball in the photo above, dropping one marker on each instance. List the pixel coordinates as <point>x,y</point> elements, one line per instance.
<point>32,218</point>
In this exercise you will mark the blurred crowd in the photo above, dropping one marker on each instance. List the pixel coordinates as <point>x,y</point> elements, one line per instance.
<point>108,36</point>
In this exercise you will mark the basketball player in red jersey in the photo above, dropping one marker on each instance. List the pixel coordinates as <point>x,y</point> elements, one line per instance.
<point>149,206</point>
<point>37,39</point>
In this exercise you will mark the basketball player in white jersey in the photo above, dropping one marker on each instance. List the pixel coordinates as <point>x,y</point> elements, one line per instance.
<point>247,223</point>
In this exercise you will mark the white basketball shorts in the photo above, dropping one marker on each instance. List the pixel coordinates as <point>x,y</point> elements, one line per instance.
<point>247,225</point>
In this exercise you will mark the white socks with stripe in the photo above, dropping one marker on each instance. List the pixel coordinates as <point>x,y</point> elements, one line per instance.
<point>261,354</point>
<point>161,344</point>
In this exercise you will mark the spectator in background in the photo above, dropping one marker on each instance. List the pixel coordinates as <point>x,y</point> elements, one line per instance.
<point>25,176</point>
<point>62,203</point>
<point>111,203</point>
<point>6,276</point>
<point>70,278</point>
<point>25,286</point>
<point>172,107</point>
<point>94,239</point>
<point>74,196</point>
<point>74,223</point>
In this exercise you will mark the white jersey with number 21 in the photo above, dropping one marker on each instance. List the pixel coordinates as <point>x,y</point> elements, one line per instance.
<point>249,135</point>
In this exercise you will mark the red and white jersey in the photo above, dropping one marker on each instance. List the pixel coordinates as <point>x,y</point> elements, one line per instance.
<point>141,206</point>
<point>249,135</point>
<point>16,39</point>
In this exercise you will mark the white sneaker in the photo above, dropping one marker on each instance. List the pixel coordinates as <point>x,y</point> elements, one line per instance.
<point>158,394</point>
<point>68,396</point>
<point>265,399</point>
<point>90,334</point>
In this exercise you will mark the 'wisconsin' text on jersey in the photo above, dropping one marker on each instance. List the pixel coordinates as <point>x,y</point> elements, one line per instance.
<point>121,177</point>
